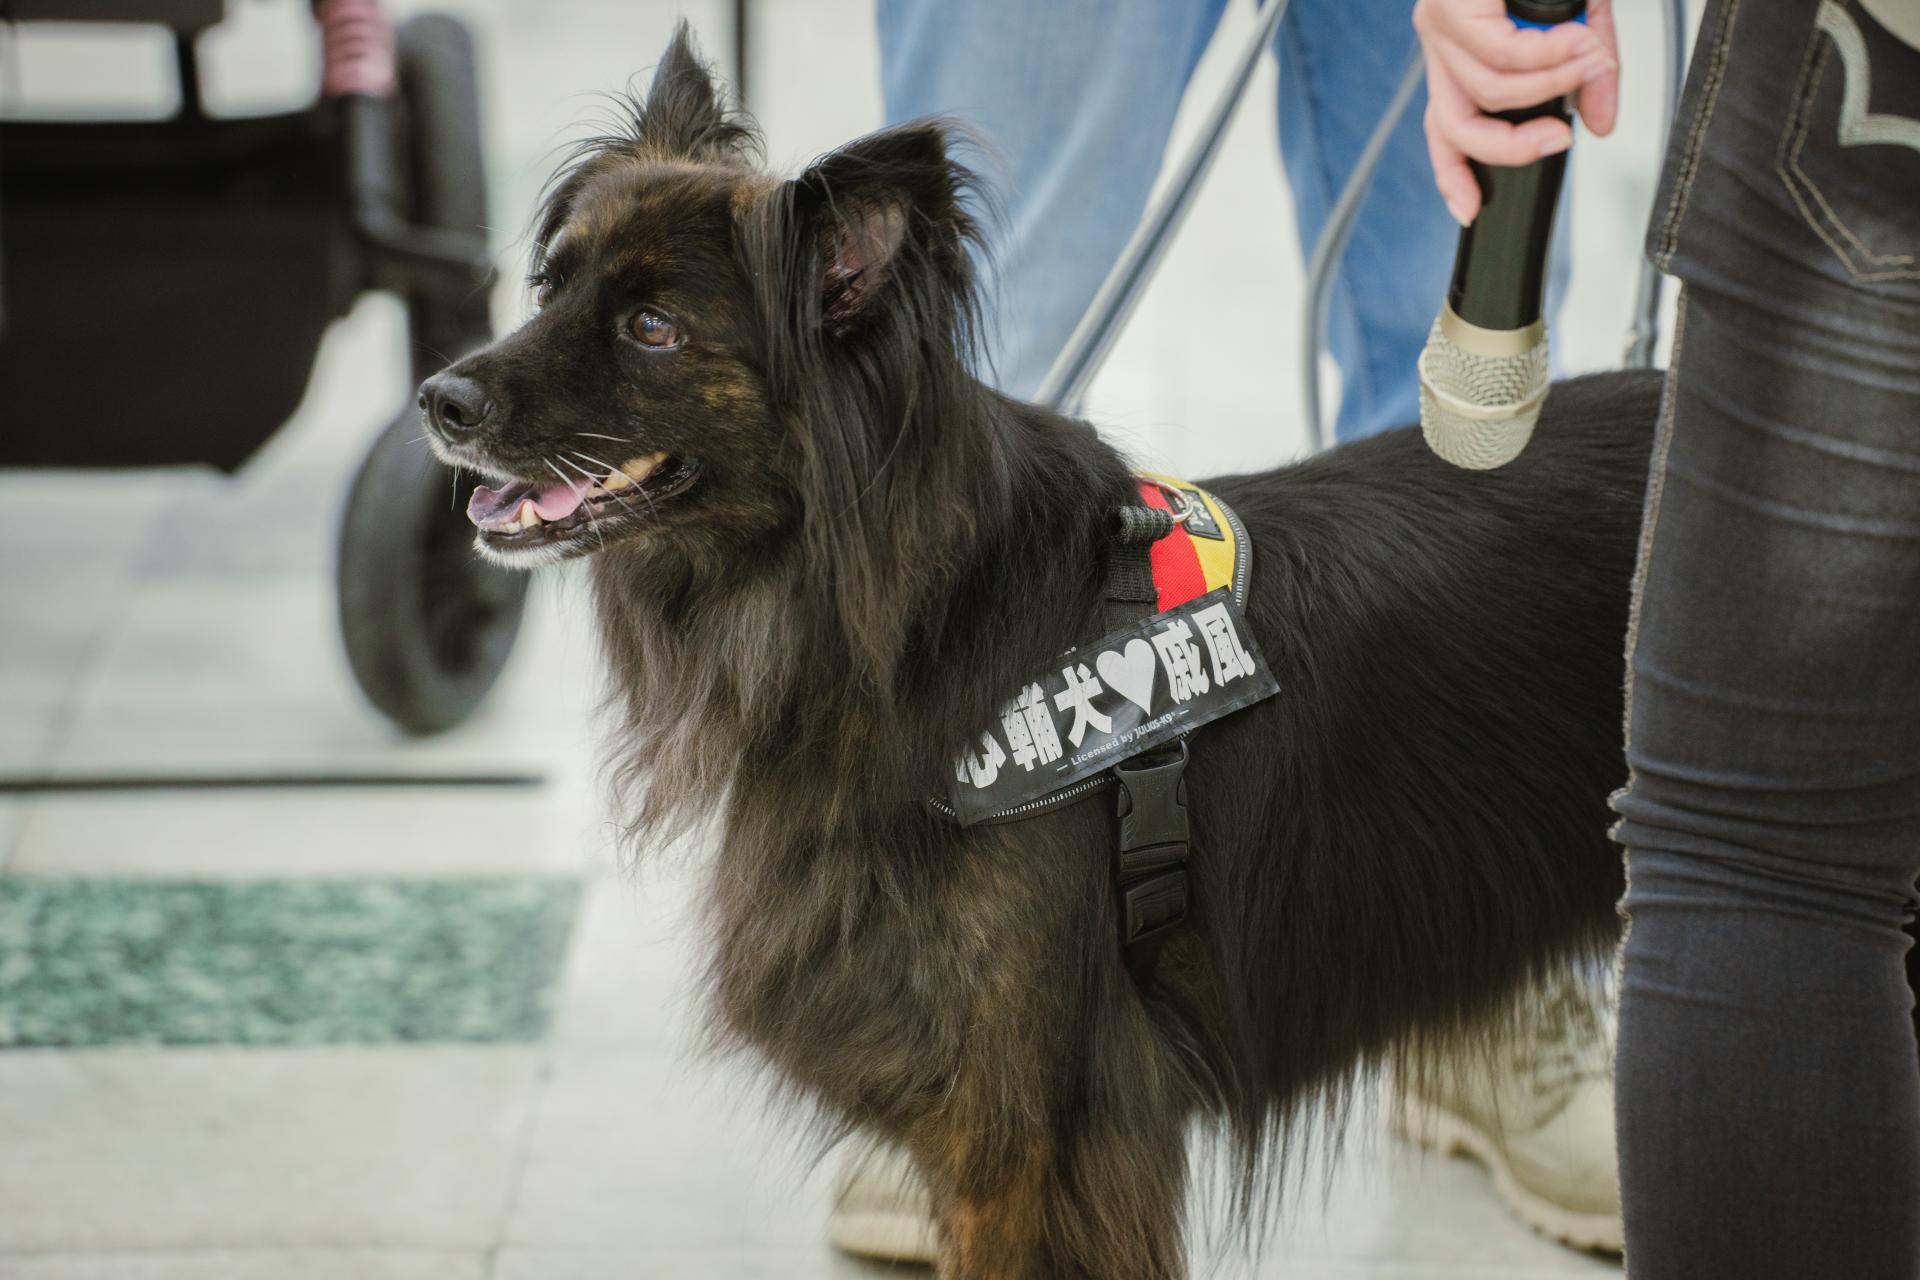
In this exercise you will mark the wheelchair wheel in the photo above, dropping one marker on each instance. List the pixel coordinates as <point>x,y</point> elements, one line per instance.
<point>440,116</point>
<point>428,624</point>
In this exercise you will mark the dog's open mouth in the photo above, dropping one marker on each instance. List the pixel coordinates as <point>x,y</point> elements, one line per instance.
<point>524,513</point>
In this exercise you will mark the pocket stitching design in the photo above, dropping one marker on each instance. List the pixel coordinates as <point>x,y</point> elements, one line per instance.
<point>1832,20</point>
<point>1859,126</point>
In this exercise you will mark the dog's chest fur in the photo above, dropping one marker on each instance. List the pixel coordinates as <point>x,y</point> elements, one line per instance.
<point>859,939</point>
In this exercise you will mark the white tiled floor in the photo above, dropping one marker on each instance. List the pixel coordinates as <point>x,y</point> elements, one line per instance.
<point>251,1264</point>
<point>351,831</point>
<point>616,1149</point>
<point>185,626</point>
<point>584,1178</point>
<point>633,971</point>
<point>261,1148</point>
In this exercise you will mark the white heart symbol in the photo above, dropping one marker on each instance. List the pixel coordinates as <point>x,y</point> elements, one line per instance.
<point>1130,675</point>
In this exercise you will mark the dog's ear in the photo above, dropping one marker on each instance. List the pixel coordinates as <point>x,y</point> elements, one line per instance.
<point>882,223</point>
<point>686,111</point>
<point>863,272</point>
<point>857,252</point>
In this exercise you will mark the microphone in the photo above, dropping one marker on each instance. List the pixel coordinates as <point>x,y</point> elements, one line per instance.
<point>1483,375</point>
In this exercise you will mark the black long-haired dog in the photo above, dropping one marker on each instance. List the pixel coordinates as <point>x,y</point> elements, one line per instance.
<point>823,554</point>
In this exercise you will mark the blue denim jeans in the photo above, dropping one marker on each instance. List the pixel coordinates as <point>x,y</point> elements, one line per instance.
<point>1768,1085</point>
<point>1075,100</point>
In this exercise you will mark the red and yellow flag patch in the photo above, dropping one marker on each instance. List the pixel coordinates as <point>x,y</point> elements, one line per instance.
<point>1200,555</point>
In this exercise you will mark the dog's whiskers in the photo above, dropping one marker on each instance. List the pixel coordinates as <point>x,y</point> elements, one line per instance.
<point>562,476</point>
<point>622,498</point>
<point>595,480</point>
<point>596,462</point>
<point>587,457</point>
<point>586,503</point>
<point>566,461</point>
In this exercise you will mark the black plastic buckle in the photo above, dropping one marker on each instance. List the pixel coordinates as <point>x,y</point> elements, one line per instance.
<point>1151,845</point>
<point>1152,907</point>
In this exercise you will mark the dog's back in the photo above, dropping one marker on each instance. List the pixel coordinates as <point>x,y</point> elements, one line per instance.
<point>1416,823</point>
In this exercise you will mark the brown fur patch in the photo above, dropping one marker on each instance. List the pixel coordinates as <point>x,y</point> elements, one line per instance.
<point>997,1231</point>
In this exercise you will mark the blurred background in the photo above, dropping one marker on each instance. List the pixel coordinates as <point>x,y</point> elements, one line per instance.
<point>286,990</point>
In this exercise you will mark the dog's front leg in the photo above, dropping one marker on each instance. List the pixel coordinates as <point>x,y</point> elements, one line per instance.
<point>1065,1199</point>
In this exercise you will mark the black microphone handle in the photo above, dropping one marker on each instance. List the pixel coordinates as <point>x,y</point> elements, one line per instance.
<point>1500,268</point>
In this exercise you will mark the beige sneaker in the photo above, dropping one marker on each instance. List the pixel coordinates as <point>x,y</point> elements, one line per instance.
<point>881,1208</point>
<point>1538,1113</point>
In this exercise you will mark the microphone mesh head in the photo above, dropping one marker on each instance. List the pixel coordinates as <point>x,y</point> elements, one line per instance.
<point>1477,409</point>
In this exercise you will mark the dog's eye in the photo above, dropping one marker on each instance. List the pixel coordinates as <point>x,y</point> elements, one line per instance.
<point>543,289</point>
<point>651,329</point>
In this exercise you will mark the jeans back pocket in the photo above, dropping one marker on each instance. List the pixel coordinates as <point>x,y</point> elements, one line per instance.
<point>1850,152</point>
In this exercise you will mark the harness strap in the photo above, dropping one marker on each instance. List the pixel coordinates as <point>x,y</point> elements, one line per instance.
<point>1152,838</point>
<point>1131,590</point>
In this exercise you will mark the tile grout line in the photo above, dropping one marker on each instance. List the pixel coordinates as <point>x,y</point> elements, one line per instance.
<point>543,1084</point>
<point>549,1069</point>
<point>88,672</point>
<point>522,1154</point>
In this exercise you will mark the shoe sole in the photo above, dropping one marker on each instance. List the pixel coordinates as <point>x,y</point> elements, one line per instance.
<point>889,1237</point>
<point>1440,1130</point>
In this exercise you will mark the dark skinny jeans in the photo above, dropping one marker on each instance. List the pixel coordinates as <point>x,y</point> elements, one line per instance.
<point>1768,1084</point>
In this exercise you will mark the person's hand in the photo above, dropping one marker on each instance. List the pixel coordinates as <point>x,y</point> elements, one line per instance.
<point>1478,61</point>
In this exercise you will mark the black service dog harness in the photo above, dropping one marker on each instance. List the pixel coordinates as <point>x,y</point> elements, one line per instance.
<point>1178,548</point>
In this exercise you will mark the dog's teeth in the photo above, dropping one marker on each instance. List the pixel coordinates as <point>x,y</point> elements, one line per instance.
<point>527,517</point>
<point>640,468</point>
<point>512,526</point>
<point>615,481</point>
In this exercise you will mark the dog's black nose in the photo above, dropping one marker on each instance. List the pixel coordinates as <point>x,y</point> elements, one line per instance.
<point>454,404</point>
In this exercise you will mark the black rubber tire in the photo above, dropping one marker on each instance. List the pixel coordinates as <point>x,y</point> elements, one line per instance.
<point>447,177</point>
<point>428,625</point>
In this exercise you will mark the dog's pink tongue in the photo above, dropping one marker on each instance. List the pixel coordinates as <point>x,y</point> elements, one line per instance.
<point>558,501</point>
<point>490,508</point>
